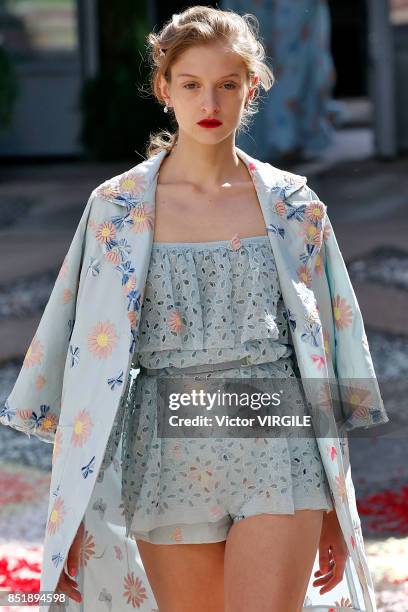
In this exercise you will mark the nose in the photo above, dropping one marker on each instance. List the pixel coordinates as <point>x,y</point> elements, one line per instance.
<point>210,103</point>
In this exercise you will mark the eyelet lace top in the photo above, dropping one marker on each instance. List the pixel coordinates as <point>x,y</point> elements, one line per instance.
<point>207,302</point>
<point>210,302</point>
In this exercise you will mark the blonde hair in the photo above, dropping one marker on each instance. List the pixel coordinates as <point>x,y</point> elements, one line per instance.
<point>199,25</point>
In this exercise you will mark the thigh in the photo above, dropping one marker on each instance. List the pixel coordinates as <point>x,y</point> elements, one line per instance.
<point>269,559</point>
<point>185,577</point>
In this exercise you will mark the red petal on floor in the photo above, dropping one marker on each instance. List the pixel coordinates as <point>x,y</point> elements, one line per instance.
<point>390,509</point>
<point>21,573</point>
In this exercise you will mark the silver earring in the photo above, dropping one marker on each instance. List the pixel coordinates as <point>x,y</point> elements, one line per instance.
<point>165,109</point>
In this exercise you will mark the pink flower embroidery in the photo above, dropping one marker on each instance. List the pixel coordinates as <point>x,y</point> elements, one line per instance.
<point>314,211</point>
<point>311,233</point>
<point>355,398</point>
<point>132,183</point>
<point>132,319</point>
<point>319,361</point>
<point>67,296</point>
<point>134,591</point>
<point>24,415</point>
<point>39,382</point>
<point>143,218</point>
<point>343,315</point>
<point>49,423</point>
<point>318,267</point>
<point>280,208</point>
<point>107,190</point>
<point>326,342</point>
<point>105,232</point>
<point>333,453</point>
<point>57,516</point>
<point>34,354</point>
<point>175,321</point>
<point>344,603</point>
<point>118,553</point>
<point>57,445</point>
<point>235,242</point>
<point>113,255</point>
<point>87,550</point>
<point>304,275</point>
<point>177,535</point>
<point>341,487</point>
<point>326,231</point>
<point>130,285</point>
<point>325,401</point>
<point>361,572</point>
<point>82,428</point>
<point>102,339</point>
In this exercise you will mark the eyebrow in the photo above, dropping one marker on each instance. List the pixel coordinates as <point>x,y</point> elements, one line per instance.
<point>184,74</point>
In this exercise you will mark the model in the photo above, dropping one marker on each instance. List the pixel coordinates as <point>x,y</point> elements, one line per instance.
<point>204,264</point>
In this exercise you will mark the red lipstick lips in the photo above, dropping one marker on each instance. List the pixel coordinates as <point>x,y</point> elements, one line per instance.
<point>210,123</point>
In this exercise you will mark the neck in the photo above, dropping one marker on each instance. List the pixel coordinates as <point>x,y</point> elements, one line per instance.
<point>207,167</point>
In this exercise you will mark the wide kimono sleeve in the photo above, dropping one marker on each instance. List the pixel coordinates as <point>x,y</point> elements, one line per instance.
<point>361,401</point>
<point>34,404</point>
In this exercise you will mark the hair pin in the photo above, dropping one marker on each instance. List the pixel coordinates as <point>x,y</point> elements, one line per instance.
<point>162,51</point>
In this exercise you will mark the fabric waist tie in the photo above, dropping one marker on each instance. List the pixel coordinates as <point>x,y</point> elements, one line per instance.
<point>198,369</point>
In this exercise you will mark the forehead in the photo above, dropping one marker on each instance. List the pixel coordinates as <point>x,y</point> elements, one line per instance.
<point>212,60</point>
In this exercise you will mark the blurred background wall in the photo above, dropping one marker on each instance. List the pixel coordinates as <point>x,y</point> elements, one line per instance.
<point>71,73</point>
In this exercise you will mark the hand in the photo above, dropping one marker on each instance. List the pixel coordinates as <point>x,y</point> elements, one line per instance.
<point>333,553</point>
<point>66,584</point>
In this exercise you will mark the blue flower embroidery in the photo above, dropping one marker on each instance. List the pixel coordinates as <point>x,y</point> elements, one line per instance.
<point>279,231</point>
<point>94,266</point>
<point>71,324</point>
<point>88,468</point>
<point>7,411</point>
<point>290,318</point>
<point>134,297</point>
<point>127,269</point>
<point>133,340</point>
<point>74,355</point>
<point>311,334</point>
<point>295,212</point>
<point>113,382</point>
<point>57,559</point>
<point>35,420</point>
<point>311,250</point>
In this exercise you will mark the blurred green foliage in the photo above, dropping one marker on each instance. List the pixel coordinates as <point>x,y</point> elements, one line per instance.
<point>118,111</point>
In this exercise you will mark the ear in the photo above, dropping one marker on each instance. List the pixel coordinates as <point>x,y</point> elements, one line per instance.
<point>164,87</point>
<point>254,81</point>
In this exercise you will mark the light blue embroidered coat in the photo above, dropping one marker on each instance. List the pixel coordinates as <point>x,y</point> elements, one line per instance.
<point>77,367</point>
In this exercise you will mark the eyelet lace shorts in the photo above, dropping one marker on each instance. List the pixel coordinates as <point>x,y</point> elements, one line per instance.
<point>192,490</point>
